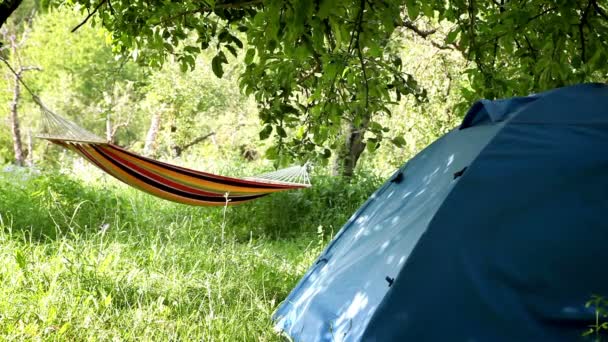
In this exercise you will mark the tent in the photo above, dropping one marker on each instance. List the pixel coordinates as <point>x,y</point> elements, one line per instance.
<point>498,231</point>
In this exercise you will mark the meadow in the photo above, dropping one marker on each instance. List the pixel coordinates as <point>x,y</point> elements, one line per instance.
<point>94,260</point>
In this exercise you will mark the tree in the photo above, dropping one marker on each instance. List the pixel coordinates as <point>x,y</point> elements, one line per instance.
<point>116,105</point>
<point>323,72</point>
<point>194,105</point>
<point>13,48</point>
<point>82,80</point>
<point>151,137</point>
<point>316,70</point>
<point>522,47</point>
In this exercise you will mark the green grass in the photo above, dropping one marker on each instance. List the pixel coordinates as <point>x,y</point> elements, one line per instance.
<point>159,270</point>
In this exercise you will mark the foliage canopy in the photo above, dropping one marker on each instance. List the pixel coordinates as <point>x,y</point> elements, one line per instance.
<point>316,66</point>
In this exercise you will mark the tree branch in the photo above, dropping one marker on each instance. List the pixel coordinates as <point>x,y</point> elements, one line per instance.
<point>205,9</point>
<point>237,4</point>
<point>426,33</point>
<point>28,68</point>
<point>89,16</point>
<point>532,49</point>
<point>599,10</point>
<point>360,54</point>
<point>27,29</point>
<point>451,46</point>
<point>110,7</point>
<point>180,149</point>
<point>531,19</point>
<point>501,9</point>
<point>422,33</point>
<point>18,77</point>
<point>580,30</point>
<point>471,13</point>
<point>118,126</point>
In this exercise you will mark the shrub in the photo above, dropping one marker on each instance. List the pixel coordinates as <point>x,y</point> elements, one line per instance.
<point>43,205</point>
<point>325,206</point>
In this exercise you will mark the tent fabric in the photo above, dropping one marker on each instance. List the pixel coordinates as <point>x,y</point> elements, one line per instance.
<point>486,111</point>
<point>507,251</point>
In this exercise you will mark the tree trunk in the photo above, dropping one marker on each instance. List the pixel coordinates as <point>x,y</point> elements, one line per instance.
<point>150,145</point>
<point>178,150</point>
<point>109,131</point>
<point>347,157</point>
<point>14,105</point>
<point>14,122</point>
<point>30,149</point>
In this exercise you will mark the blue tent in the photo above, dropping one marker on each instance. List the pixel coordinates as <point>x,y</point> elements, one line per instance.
<point>498,231</point>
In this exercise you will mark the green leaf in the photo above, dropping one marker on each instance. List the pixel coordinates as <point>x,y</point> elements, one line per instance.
<point>398,141</point>
<point>375,127</point>
<point>451,37</point>
<point>231,49</point>
<point>265,132</point>
<point>330,70</point>
<point>183,66</point>
<point>326,153</point>
<point>397,62</point>
<point>272,153</point>
<point>190,61</point>
<point>281,132</point>
<point>223,36</point>
<point>325,7</point>
<point>249,56</point>
<point>64,328</point>
<point>371,145</point>
<point>216,66</point>
<point>427,9</point>
<point>21,261</point>
<point>237,42</point>
<point>413,9</point>
<point>192,49</point>
<point>107,300</point>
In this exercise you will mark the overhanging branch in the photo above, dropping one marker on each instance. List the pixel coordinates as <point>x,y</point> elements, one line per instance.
<point>599,10</point>
<point>581,27</point>
<point>238,4</point>
<point>360,54</point>
<point>207,9</point>
<point>204,9</point>
<point>89,16</point>
<point>422,33</point>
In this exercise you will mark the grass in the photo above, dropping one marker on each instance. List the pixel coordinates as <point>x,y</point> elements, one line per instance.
<point>105,262</point>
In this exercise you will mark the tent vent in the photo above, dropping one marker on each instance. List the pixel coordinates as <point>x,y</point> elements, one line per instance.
<point>398,178</point>
<point>459,173</point>
<point>389,280</point>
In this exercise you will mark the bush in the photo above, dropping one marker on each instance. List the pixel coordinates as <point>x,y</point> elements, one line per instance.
<point>44,205</point>
<point>324,207</point>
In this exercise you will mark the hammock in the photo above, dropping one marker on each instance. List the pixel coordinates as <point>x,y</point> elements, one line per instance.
<point>164,180</point>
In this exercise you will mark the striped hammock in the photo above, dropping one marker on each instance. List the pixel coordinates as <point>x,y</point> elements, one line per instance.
<point>164,180</point>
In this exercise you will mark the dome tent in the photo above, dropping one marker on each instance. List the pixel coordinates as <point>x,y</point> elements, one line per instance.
<point>494,232</point>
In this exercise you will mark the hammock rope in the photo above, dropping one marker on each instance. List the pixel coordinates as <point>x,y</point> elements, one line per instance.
<point>164,180</point>
<point>55,127</point>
